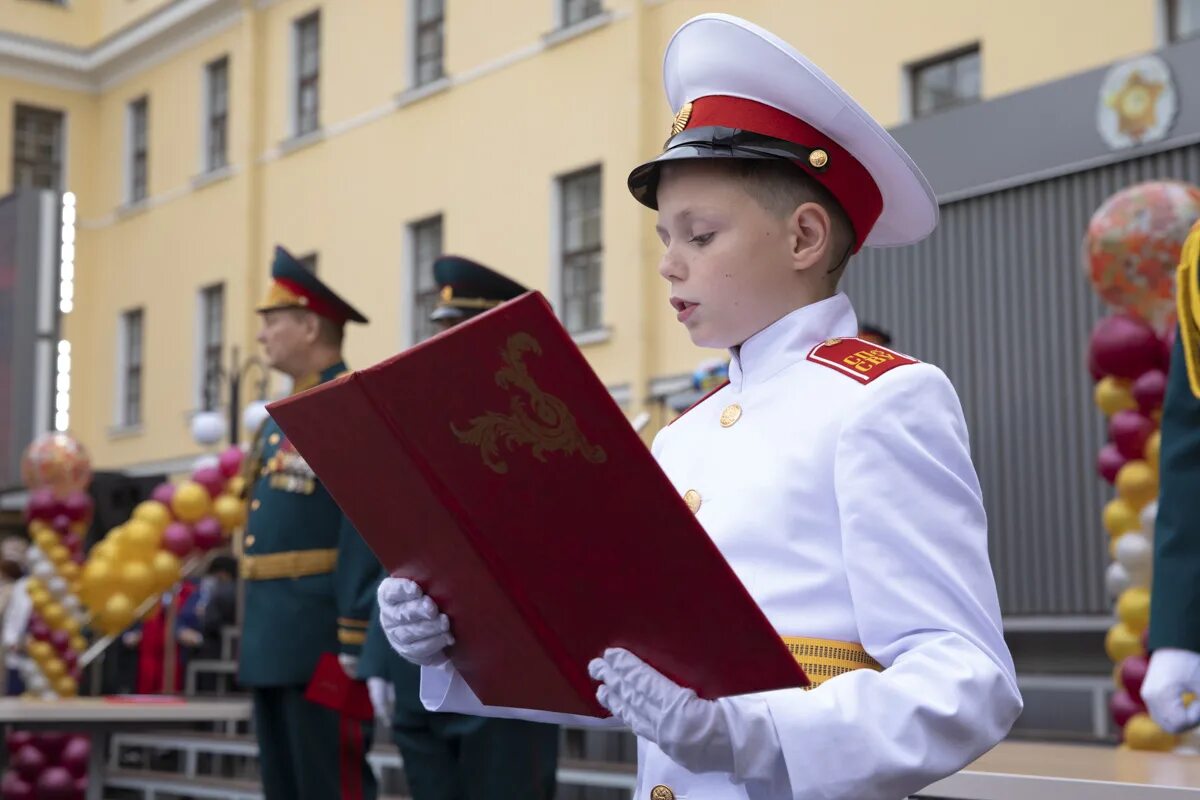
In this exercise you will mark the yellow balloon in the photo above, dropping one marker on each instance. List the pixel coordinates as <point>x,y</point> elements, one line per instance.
<point>1137,484</point>
<point>70,625</point>
<point>76,586</point>
<point>1118,682</point>
<point>66,686</point>
<point>141,539</point>
<point>137,581</point>
<point>40,600</point>
<point>191,501</point>
<point>59,555</point>
<point>166,569</point>
<point>1120,517</point>
<point>35,586</point>
<point>69,571</point>
<point>1120,643</point>
<point>45,539</point>
<point>236,486</point>
<point>117,614</point>
<point>36,526</point>
<point>54,614</point>
<point>153,513</point>
<point>79,643</point>
<point>1133,608</point>
<point>54,668</point>
<point>230,512</point>
<point>1143,733</point>
<point>40,651</point>
<point>106,550</point>
<point>98,581</point>
<point>1113,395</point>
<point>1153,450</point>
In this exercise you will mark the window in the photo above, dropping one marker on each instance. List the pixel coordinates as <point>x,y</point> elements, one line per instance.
<point>308,73</point>
<point>945,82</point>
<point>138,149</point>
<point>130,411</point>
<point>426,245</point>
<point>1183,19</point>
<point>581,250</point>
<point>575,11</point>
<point>309,262</point>
<point>37,148</point>
<point>428,44</point>
<point>216,128</point>
<point>212,344</point>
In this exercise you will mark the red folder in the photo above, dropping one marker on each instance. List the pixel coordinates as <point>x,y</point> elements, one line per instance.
<point>490,465</point>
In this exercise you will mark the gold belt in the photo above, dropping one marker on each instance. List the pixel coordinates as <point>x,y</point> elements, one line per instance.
<point>823,659</point>
<point>290,564</point>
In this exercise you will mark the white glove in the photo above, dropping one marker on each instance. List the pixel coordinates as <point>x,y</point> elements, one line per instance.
<point>693,732</point>
<point>1172,673</point>
<point>383,698</point>
<point>349,664</point>
<point>414,626</point>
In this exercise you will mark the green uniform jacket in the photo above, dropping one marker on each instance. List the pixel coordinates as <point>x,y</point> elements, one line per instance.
<point>310,578</point>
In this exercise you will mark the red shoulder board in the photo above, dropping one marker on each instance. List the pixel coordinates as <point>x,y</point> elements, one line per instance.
<point>721,386</point>
<point>857,358</point>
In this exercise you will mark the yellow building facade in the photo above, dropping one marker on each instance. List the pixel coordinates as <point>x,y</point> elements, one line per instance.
<point>499,131</point>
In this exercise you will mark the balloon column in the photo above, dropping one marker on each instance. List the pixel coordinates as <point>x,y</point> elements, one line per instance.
<point>47,766</point>
<point>144,556</point>
<point>1131,251</point>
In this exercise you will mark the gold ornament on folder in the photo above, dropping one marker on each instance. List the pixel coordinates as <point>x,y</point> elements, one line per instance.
<point>537,420</point>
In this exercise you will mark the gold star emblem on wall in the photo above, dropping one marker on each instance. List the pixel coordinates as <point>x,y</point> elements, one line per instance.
<point>1136,105</point>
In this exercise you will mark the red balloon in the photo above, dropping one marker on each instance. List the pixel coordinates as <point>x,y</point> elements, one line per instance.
<point>81,787</point>
<point>70,659</point>
<point>1149,390</point>
<point>29,762</point>
<point>1109,462</point>
<point>1133,672</point>
<point>75,756</point>
<point>73,542</point>
<point>39,630</point>
<point>15,740</point>
<point>230,461</point>
<point>1129,431</point>
<point>61,641</point>
<point>14,788</point>
<point>211,479</point>
<point>178,539</point>
<point>51,744</point>
<point>1123,706</point>
<point>55,783</point>
<point>1124,347</point>
<point>78,506</point>
<point>207,533</point>
<point>42,505</point>
<point>164,493</point>
<point>61,524</point>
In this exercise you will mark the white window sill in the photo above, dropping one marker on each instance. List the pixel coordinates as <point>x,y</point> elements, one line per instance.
<point>562,35</point>
<point>212,176</point>
<point>124,431</point>
<point>133,209</point>
<point>417,93</point>
<point>300,142</point>
<point>596,336</point>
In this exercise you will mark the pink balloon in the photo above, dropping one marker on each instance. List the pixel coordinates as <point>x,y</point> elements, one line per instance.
<point>178,539</point>
<point>61,524</point>
<point>13,787</point>
<point>230,461</point>
<point>164,493</point>
<point>15,740</point>
<point>81,787</point>
<point>1123,706</point>
<point>1129,431</point>
<point>207,533</point>
<point>211,479</point>
<point>1133,672</point>
<point>51,744</point>
<point>55,783</point>
<point>1124,347</point>
<point>75,756</point>
<point>1109,462</point>
<point>1149,390</point>
<point>78,506</point>
<point>29,762</point>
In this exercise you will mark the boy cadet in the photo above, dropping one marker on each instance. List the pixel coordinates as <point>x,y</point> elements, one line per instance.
<point>836,476</point>
<point>455,756</point>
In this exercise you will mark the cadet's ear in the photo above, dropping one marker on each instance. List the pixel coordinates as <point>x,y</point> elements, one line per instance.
<point>810,229</point>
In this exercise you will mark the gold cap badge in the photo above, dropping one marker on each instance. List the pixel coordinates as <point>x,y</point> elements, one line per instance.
<point>681,119</point>
<point>818,158</point>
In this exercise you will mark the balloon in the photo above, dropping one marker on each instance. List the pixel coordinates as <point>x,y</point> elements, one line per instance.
<point>191,501</point>
<point>69,572</point>
<point>42,505</point>
<point>36,683</point>
<point>54,614</point>
<point>16,739</point>
<point>236,486</point>
<point>39,631</point>
<point>78,506</point>
<point>1133,672</point>
<point>58,555</point>
<point>1149,390</point>
<point>106,550</point>
<point>61,524</point>
<point>14,787</point>
<point>153,513</point>
<point>230,461</point>
<point>1129,431</point>
<point>1132,247</point>
<point>1133,608</point>
<point>1137,484</point>
<point>206,461</point>
<point>99,578</point>
<point>81,787</point>
<point>57,462</point>
<point>79,644</point>
<point>1120,643</point>
<point>1123,706</point>
<point>207,427</point>
<point>1148,516</point>
<point>166,568</point>
<point>1143,733</point>
<point>211,479</point>
<point>51,743</point>
<point>1153,450</point>
<point>163,493</point>
<point>1123,347</point>
<point>141,539</point>
<point>207,534</point>
<point>55,783</point>
<point>44,540</point>
<point>57,586</point>
<point>177,539</point>
<point>230,512</point>
<point>54,669</point>
<point>71,625</point>
<point>1116,579</point>
<point>118,612</point>
<point>1134,552</point>
<point>40,651</point>
<point>75,755</point>
<point>254,416</point>
<point>66,686</point>
<point>1109,462</point>
<point>29,762</point>
<point>137,580</point>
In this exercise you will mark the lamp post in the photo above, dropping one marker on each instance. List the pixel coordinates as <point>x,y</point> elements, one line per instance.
<point>207,426</point>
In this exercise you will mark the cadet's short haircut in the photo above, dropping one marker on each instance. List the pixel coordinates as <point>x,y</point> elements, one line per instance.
<point>781,187</point>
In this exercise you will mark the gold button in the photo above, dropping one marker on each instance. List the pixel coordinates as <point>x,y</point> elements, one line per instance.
<point>661,792</point>
<point>273,438</point>
<point>832,342</point>
<point>249,541</point>
<point>692,498</point>
<point>818,158</point>
<point>730,415</point>
<point>255,504</point>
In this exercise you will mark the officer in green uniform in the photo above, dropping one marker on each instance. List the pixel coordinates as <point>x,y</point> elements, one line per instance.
<point>309,578</point>
<point>453,756</point>
<point>1175,592</point>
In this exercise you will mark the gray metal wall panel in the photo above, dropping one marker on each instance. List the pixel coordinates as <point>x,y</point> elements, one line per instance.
<point>997,298</point>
